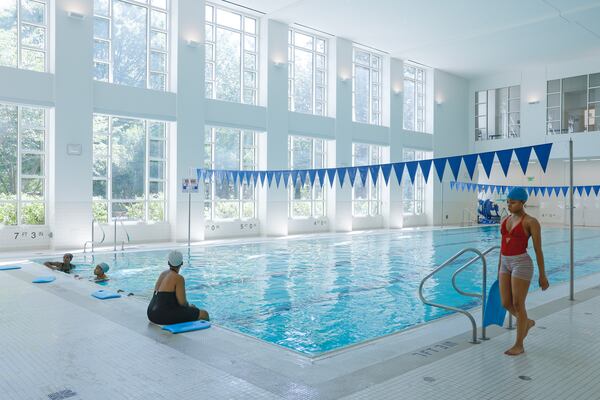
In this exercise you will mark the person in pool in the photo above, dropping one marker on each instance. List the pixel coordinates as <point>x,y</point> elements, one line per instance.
<point>515,267</point>
<point>64,266</point>
<point>169,304</point>
<point>100,272</point>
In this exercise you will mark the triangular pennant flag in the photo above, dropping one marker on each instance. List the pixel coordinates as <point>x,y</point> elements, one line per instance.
<point>440,166</point>
<point>302,173</point>
<point>504,156</point>
<point>542,151</point>
<point>374,170</point>
<point>277,175</point>
<point>487,160</point>
<point>564,190</point>
<point>556,190</point>
<point>321,174</point>
<point>294,175</point>
<point>386,170</point>
<point>543,190</point>
<point>255,178</point>
<point>364,174</point>
<point>588,190</point>
<point>412,170</point>
<point>399,170</point>
<point>596,189</point>
<point>269,178</point>
<point>470,161</point>
<point>579,190</point>
<point>503,189</point>
<point>425,166</point>
<point>235,177</point>
<point>523,154</point>
<point>331,175</point>
<point>454,163</point>
<point>199,174</point>
<point>536,190</point>
<point>341,173</point>
<point>312,175</point>
<point>463,186</point>
<point>230,177</point>
<point>471,187</point>
<point>243,177</point>
<point>351,175</point>
<point>286,178</point>
<point>452,184</point>
<point>263,176</point>
<point>529,190</point>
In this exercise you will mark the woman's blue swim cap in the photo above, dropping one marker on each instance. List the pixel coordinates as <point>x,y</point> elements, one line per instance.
<point>104,267</point>
<point>518,193</point>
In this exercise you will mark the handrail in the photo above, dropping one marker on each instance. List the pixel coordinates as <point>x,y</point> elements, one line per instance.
<point>481,256</point>
<point>470,262</point>
<point>126,235</point>
<point>93,241</point>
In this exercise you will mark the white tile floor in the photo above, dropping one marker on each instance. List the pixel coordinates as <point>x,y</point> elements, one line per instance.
<point>56,340</point>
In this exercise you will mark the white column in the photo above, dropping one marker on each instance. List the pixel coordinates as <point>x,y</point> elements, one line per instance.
<point>273,203</point>
<point>341,213</point>
<point>393,212</point>
<point>70,178</point>
<point>187,141</point>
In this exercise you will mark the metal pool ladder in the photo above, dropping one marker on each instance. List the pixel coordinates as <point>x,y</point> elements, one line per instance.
<point>479,255</point>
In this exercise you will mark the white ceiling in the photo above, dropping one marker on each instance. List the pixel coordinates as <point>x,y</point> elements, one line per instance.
<point>469,38</point>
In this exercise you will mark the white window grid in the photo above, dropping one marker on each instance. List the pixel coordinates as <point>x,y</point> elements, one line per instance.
<point>155,79</point>
<point>318,160</point>
<point>23,47</point>
<point>418,77</point>
<point>319,71</point>
<point>110,201</point>
<point>374,196</point>
<point>415,205</point>
<point>248,75</point>
<point>510,119</point>
<point>211,200</point>
<point>481,115</point>
<point>21,203</point>
<point>375,66</point>
<point>554,125</point>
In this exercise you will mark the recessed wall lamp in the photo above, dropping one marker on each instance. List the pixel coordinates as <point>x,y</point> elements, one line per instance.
<point>533,101</point>
<point>345,79</point>
<point>75,15</point>
<point>193,43</point>
<point>439,102</point>
<point>278,64</point>
<point>396,91</point>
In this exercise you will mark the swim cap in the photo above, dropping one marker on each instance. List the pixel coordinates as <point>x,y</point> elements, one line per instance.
<point>175,259</point>
<point>518,193</point>
<point>104,267</point>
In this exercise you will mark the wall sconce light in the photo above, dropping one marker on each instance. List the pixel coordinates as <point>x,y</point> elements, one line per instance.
<point>439,102</point>
<point>75,15</point>
<point>193,43</point>
<point>533,101</point>
<point>344,79</point>
<point>278,64</point>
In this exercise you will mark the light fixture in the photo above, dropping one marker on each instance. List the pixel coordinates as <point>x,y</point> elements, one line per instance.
<point>439,102</point>
<point>533,101</point>
<point>345,79</point>
<point>75,15</point>
<point>193,43</point>
<point>278,64</point>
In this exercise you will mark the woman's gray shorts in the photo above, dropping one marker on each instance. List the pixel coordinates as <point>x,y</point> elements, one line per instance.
<point>520,266</point>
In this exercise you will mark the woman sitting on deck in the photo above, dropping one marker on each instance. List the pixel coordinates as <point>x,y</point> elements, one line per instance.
<point>169,304</point>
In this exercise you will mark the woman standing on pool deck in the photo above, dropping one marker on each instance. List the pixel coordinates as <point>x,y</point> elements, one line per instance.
<point>515,267</point>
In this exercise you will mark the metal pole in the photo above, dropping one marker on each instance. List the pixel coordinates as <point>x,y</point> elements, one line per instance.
<point>115,237</point>
<point>483,297</point>
<point>571,227</point>
<point>442,203</point>
<point>189,208</point>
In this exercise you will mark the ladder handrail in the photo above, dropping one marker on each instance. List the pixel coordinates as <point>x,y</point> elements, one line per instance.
<point>470,262</point>
<point>94,221</point>
<point>481,256</point>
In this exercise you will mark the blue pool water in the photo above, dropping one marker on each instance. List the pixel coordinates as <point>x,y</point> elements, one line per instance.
<point>322,293</point>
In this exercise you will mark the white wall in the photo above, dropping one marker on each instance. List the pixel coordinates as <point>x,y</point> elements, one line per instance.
<point>74,96</point>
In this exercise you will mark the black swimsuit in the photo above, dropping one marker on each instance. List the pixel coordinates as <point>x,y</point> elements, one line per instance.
<point>164,309</point>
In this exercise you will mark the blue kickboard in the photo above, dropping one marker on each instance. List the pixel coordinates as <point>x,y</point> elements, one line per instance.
<point>494,312</point>
<point>105,294</point>
<point>44,279</point>
<point>187,326</point>
<point>9,267</point>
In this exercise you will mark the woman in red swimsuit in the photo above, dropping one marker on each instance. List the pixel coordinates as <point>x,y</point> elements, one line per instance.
<point>515,267</point>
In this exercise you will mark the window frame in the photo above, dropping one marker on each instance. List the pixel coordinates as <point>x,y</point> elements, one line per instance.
<point>379,84</point>
<point>418,83</point>
<point>509,129</point>
<point>209,163</point>
<point>149,50</point>
<point>419,186</point>
<point>292,47</point>
<point>108,178</point>
<point>20,176</point>
<point>292,185</point>
<point>210,64</point>
<point>374,192</point>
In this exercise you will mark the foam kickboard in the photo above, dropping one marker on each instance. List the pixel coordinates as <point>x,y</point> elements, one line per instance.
<point>44,279</point>
<point>187,326</point>
<point>105,294</point>
<point>9,267</point>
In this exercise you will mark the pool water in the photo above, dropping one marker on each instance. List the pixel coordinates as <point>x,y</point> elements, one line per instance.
<point>325,292</point>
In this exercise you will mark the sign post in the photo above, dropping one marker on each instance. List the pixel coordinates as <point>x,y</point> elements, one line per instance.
<point>189,186</point>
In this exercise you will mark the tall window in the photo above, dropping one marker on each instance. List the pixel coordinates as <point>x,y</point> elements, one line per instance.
<point>498,113</point>
<point>366,86</point>
<point>24,34</point>
<point>573,104</point>
<point>414,98</point>
<point>307,87</point>
<point>366,199</point>
<point>231,55</point>
<point>22,165</point>
<point>130,169</point>
<point>306,200</point>
<point>413,195</point>
<point>233,149</point>
<point>131,45</point>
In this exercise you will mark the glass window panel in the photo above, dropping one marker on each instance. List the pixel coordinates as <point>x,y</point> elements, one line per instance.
<point>33,117</point>
<point>100,189</point>
<point>595,80</point>
<point>302,40</point>
<point>208,13</point>
<point>32,189</point>
<point>33,213</point>
<point>157,148</point>
<point>409,105</point>
<point>32,139</point>
<point>158,19</point>
<point>33,60</point>
<point>157,130</point>
<point>156,190</point>
<point>249,61</point>
<point>250,43</point>
<point>574,103</point>
<point>100,211</point>
<point>33,36</point>
<point>33,11</point>
<point>158,62</point>
<point>249,25</point>
<point>8,213</point>
<point>158,81</point>
<point>594,95</point>
<point>157,170</point>
<point>228,75</point>
<point>156,211</point>
<point>303,82</point>
<point>133,211</point>
<point>32,164</point>
<point>210,37</point>
<point>101,72</point>
<point>361,94</point>
<point>8,33</point>
<point>362,57</point>
<point>158,40</point>
<point>128,158</point>
<point>515,92</point>
<point>249,79</point>
<point>320,45</point>
<point>227,18</point>
<point>593,117</point>
<point>101,28</point>
<point>554,86</point>
<point>480,109</point>
<point>514,105</point>
<point>481,97</point>
<point>129,43</point>
<point>159,4</point>
<point>554,100</point>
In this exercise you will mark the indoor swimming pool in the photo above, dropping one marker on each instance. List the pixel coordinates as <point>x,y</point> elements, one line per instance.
<point>320,293</point>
